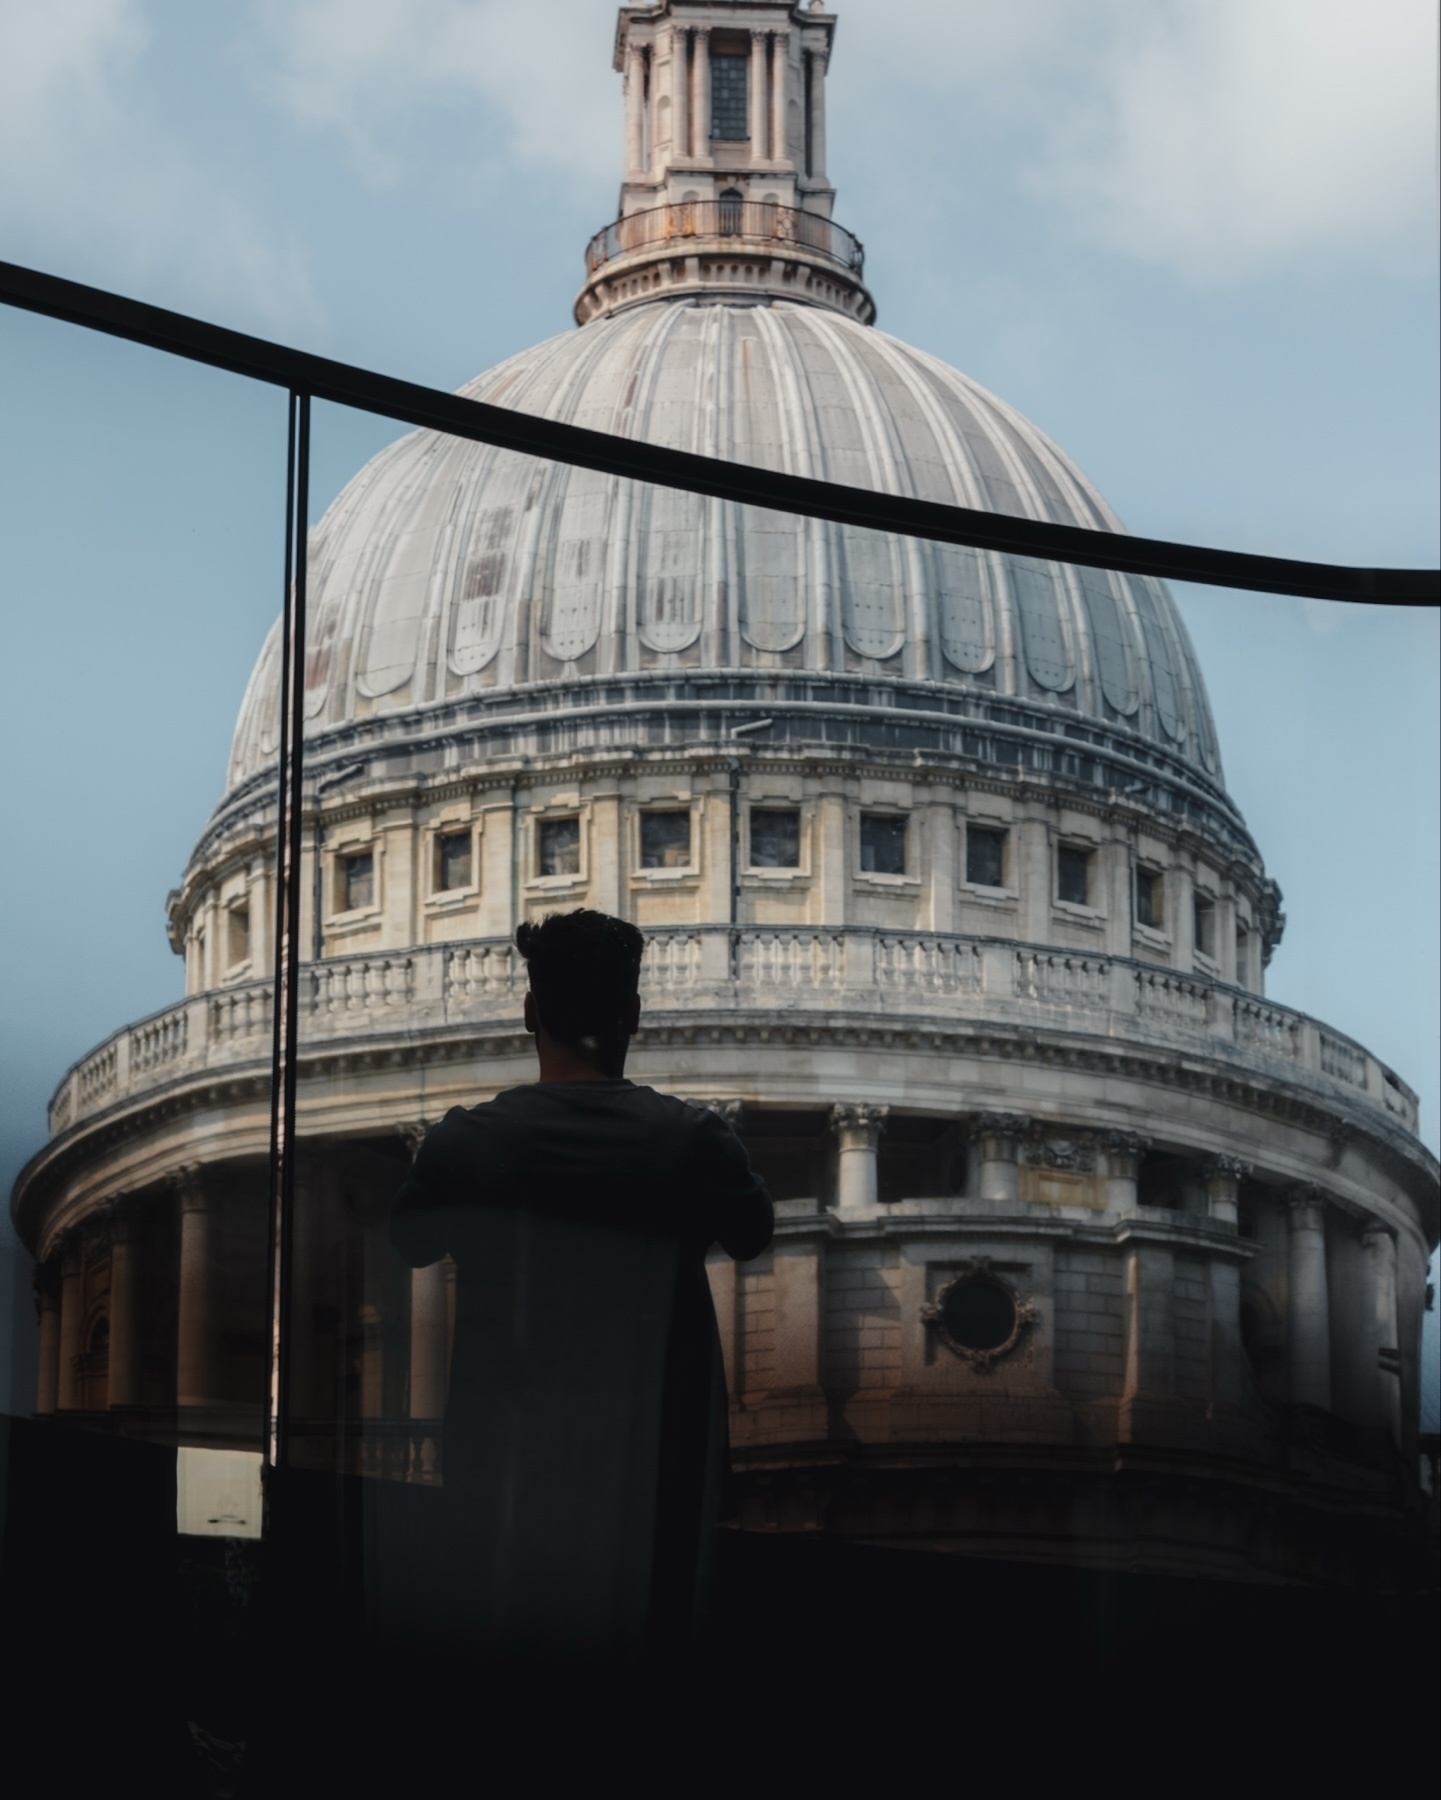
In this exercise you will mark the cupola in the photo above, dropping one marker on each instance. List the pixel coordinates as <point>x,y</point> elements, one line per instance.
<point>725,191</point>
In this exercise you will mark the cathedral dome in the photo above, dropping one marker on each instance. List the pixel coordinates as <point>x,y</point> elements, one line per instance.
<point>450,573</point>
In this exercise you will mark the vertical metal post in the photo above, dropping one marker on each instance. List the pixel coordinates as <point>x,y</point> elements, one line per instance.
<point>285,1046</point>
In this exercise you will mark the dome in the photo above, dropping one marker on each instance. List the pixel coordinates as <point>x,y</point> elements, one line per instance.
<point>450,572</point>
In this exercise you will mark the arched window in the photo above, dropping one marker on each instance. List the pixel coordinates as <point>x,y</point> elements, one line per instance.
<point>731,203</point>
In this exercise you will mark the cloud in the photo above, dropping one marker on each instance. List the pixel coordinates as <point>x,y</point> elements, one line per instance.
<point>92,185</point>
<point>1216,138</point>
<point>358,67</point>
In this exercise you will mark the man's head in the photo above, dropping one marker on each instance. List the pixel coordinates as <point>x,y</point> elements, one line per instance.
<point>583,1003</point>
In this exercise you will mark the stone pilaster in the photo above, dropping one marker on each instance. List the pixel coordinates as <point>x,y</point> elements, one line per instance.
<point>428,1365</point>
<point>72,1322</point>
<point>998,1141</point>
<point>758,97</point>
<point>124,1381</point>
<point>817,169</point>
<point>780,52</point>
<point>1380,1334</point>
<point>196,1370</point>
<point>1308,1305</point>
<point>1223,1176</point>
<point>702,91</point>
<point>1124,1151</point>
<point>680,92</point>
<point>634,114</point>
<point>858,1130</point>
<point>1150,1380</point>
<point>45,1279</point>
<point>795,1406</point>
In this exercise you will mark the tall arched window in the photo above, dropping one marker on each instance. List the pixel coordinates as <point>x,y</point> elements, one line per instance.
<point>731,203</point>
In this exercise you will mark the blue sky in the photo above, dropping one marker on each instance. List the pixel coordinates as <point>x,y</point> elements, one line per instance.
<point>1194,241</point>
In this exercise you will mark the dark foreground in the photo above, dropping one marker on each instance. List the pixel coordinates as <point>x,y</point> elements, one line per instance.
<point>209,1666</point>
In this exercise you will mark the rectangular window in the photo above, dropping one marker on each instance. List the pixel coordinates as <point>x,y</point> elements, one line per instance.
<point>985,857</point>
<point>238,938</point>
<point>357,881</point>
<point>1243,952</point>
<point>883,844</point>
<point>560,846</point>
<point>453,857</point>
<point>730,97</point>
<point>1073,875</point>
<point>1150,900</point>
<point>665,840</point>
<point>775,838</point>
<point>1205,926</point>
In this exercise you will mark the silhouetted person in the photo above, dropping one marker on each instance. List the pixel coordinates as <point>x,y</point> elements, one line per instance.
<point>585,1438</point>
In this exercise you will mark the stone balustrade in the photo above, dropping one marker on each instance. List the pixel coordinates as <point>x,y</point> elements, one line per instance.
<point>909,978</point>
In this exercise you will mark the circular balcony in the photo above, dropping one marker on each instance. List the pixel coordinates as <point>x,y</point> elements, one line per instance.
<point>723,246</point>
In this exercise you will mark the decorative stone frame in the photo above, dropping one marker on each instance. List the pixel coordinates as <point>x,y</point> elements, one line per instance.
<point>690,874</point>
<point>355,839</point>
<point>441,900</point>
<point>868,880</point>
<point>543,812</point>
<point>933,1315</point>
<point>1072,911</point>
<point>1007,894</point>
<point>760,877</point>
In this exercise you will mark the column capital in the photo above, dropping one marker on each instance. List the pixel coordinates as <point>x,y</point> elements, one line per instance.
<point>729,1110</point>
<point>1125,1143</point>
<point>858,1116</point>
<point>413,1131</point>
<point>120,1219</point>
<point>1375,1235</point>
<point>1224,1167</point>
<point>1001,1125</point>
<point>1305,1201</point>
<point>188,1185</point>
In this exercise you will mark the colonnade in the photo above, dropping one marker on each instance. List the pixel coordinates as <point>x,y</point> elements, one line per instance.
<point>677,68</point>
<point>1313,1221</point>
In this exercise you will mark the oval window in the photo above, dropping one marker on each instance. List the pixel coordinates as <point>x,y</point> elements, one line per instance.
<point>979,1314</point>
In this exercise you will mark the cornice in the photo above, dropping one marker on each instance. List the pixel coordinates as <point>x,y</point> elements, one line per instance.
<point>248,1084</point>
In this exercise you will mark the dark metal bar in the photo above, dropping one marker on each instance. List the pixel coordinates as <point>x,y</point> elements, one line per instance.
<point>411,404</point>
<point>290,795</point>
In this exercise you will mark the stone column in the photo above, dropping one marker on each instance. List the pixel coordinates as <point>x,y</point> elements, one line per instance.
<point>1223,1176</point>
<point>124,1385</point>
<point>427,1342</point>
<point>818,115</point>
<point>1308,1306</point>
<point>680,91</point>
<point>1381,1336</point>
<point>45,1279</point>
<point>796,1269</point>
<point>780,45</point>
<point>758,96</point>
<point>196,1375</point>
<point>858,1129</point>
<point>997,1137</point>
<point>1124,1150</point>
<point>702,91</point>
<point>1150,1332</point>
<point>72,1309</point>
<point>634,113</point>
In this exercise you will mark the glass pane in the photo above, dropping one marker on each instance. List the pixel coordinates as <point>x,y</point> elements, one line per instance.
<point>665,840</point>
<point>883,844</point>
<point>730,89</point>
<point>775,839</point>
<point>985,856</point>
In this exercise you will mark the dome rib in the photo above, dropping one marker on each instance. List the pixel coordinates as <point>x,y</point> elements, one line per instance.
<point>450,572</point>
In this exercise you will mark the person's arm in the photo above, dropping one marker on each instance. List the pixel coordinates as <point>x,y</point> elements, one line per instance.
<point>742,1218</point>
<point>419,1217</point>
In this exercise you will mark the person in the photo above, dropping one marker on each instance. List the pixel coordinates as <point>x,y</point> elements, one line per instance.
<point>585,1435</point>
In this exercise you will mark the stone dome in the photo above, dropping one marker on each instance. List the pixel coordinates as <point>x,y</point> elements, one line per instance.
<point>448,572</point>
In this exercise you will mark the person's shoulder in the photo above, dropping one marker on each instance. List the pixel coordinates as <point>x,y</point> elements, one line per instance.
<point>670,1108</point>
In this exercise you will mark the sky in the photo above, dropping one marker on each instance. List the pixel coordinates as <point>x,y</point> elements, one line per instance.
<point>1194,240</point>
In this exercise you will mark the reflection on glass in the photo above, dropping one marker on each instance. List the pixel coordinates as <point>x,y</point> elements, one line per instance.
<point>883,844</point>
<point>775,838</point>
<point>665,840</point>
<point>560,846</point>
<point>357,881</point>
<point>985,856</point>
<point>1073,875</point>
<point>454,851</point>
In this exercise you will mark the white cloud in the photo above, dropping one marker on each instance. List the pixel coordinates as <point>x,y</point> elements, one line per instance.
<point>92,186</point>
<point>357,67</point>
<point>1218,138</point>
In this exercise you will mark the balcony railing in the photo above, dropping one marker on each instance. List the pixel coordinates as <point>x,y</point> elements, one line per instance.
<point>750,221</point>
<point>805,975</point>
